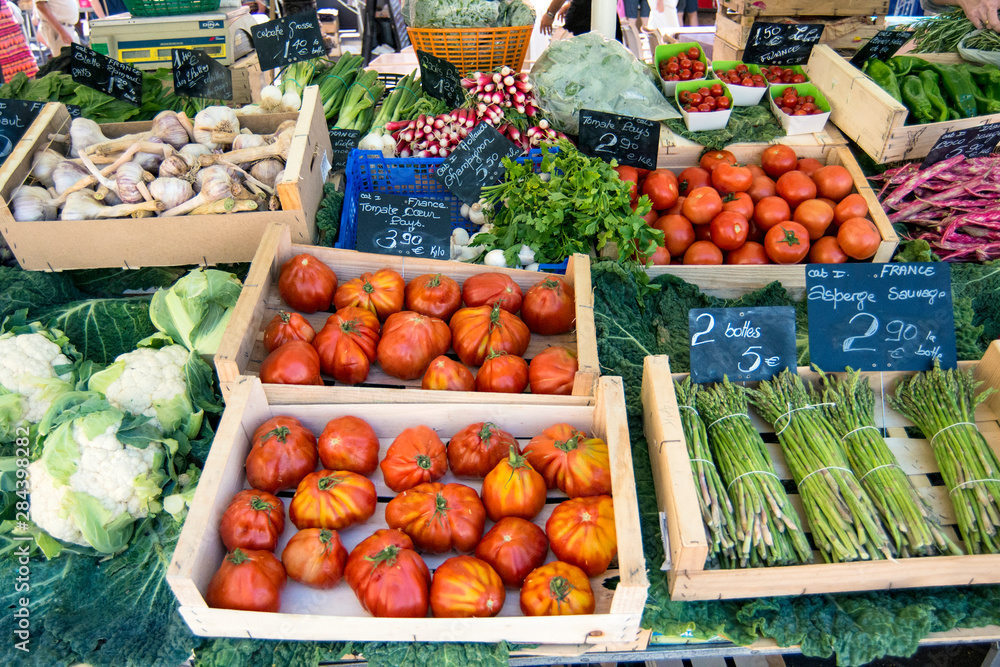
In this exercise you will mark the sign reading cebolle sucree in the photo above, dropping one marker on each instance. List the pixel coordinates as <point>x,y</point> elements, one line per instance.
<point>743,344</point>
<point>634,142</point>
<point>781,43</point>
<point>400,225</point>
<point>880,317</point>
<point>119,80</point>
<point>476,163</point>
<point>288,40</point>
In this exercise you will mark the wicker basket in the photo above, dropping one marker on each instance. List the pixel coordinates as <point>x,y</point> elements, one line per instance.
<point>170,7</point>
<point>475,49</point>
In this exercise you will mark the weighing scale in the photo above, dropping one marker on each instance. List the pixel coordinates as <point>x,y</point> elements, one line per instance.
<point>146,43</point>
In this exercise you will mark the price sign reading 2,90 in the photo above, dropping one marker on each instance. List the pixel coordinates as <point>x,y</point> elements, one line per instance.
<point>742,344</point>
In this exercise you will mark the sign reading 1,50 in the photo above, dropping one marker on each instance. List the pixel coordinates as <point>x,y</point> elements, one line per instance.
<point>750,356</point>
<point>898,332</point>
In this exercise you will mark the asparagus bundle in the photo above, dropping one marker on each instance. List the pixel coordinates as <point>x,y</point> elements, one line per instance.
<point>850,408</point>
<point>943,405</point>
<point>716,508</point>
<point>845,524</point>
<point>767,529</point>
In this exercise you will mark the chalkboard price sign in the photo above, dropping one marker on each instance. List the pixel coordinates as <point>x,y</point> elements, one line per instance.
<point>781,43</point>
<point>15,118</point>
<point>882,46</point>
<point>970,142</point>
<point>476,163</point>
<point>400,225</point>
<point>121,81</point>
<point>441,79</point>
<point>631,141</point>
<point>197,74</point>
<point>743,344</point>
<point>343,142</point>
<point>288,40</point>
<point>880,317</point>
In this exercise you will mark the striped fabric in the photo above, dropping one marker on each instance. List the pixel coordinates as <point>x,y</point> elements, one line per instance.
<point>15,56</point>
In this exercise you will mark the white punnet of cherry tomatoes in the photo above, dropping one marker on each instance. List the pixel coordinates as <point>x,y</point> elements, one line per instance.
<point>793,104</point>
<point>709,98</point>
<point>742,76</point>
<point>778,74</point>
<point>683,67</point>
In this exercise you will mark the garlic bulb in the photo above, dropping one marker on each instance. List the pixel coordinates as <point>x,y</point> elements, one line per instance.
<point>266,171</point>
<point>168,128</point>
<point>84,133</point>
<point>44,162</point>
<point>191,153</point>
<point>279,177</point>
<point>174,166</point>
<point>248,141</point>
<point>31,204</point>
<point>81,205</point>
<point>208,173</point>
<point>127,180</point>
<point>67,174</point>
<point>150,161</point>
<point>171,191</point>
<point>213,188</point>
<point>214,119</point>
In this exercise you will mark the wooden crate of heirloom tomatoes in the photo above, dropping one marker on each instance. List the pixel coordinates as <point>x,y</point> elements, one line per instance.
<point>563,360</point>
<point>596,533</point>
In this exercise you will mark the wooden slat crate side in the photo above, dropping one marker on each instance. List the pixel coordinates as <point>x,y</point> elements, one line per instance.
<point>807,7</point>
<point>810,145</point>
<point>840,32</point>
<point>723,50</point>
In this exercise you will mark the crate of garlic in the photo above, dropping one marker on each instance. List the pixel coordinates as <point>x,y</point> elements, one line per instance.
<point>168,192</point>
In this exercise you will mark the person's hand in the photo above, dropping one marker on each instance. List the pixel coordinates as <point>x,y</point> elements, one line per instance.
<point>982,13</point>
<point>64,34</point>
<point>561,14</point>
<point>545,27</point>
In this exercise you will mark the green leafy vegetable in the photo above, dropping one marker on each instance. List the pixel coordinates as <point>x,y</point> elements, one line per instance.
<point>34,290</point>
<point>194,312</point>
<point>754,123</point>
<point>102,329</point>
<point>328,215</point>
<point>225,652</point>
<point>121,282</point>
<point>418,654</point>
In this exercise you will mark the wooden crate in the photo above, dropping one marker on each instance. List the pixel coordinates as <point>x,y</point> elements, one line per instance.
<point>771,8</point>
<point>248,79</point>
<point>850,32</point>
<point>242,349</point>
<point>336,614</point>
<point>679,150</point>
<point>871,117</point>
<point>191,239</point>
<point>676,496</point>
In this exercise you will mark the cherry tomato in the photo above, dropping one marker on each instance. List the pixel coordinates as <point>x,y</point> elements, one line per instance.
<point>701,205</point>
<point>769,211</point>
<point>417,455</point>
<point>703,108</point>
<point>315,557</point>
<point>723,102</point>
<point>703,252</point>
<point>787,243</point>
<point>685,75</point>
<point>691,178</point>
<point>247,580</point>
<point>553,371</point>
<point>685,63</point>
<point>439,517</point>
<point>716,89</point>
<point>712,159</point>
<point>282,453</point>
<point>698,68</point>
<point>557,589</point>
<point>678,233</point>
<point>662,188</point>
<point>307,284</point>
<point>833,182</point>
<point>286,327</point>
<point>349,443</point>
<point>295,362</point>
<point>827,251</point>
<point>694,53</point>
<point>446,374</point>
<point>254,520</point>
<point>466,587</point>
<point>673,67</point>
<point>798,78</point>
<point>750,252</point>
<point>332,499</point>
<point>729,230</point>
<point>815,216</point>
<point>859,238</point>
<point>795,187</point>
<point>851,206</point>
<point>476,449</point>
<point>514,547</point>
<point>695,99</point>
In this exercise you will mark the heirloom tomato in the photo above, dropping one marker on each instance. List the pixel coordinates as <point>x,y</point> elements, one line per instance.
<point>549,307</point>
<point>514,547</point>
<point>347,344</point>
<point>332,499</point>
<point>286,327</point>
<point>503,373</point>
<point>486,289</point>
<point>434,295</point>
<point>307,284</point>
<point>513,488</point>
<point>438,517</point>
<point>466,587</point>
<point>388,576</point>
<point>557,589</point>
<point>553,371</point>
<point>417,455</point>
<point>410,342</point>
<point>295,362</point>
<point>247,580</point>
<point>448,375</point>
<point>570,461</point>
<point>315,557</point>
<point>253,520</point>
<point>581,531</point>
<point>477,331</point>
<point>380,292</point>
<point>349,443</point>
<point>282,453</point>
<point>478,448</point>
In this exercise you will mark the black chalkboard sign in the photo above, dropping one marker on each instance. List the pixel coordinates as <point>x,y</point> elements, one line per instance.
<point>743,344</point>
<point>880,317</point>
<point>476,163</point>
<point>343,142</point>
<point>781,43</point>
<point>119,80</point>
<point>288,40</point>
<point>197,74</point>
<point>441,79</point>
<point>15,118</point>
<point>970,142</point>
<point>400,225</point>
<point>882,46</point>
<point>631,141</point>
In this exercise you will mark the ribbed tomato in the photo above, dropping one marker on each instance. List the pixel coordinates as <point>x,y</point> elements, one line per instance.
<point>284,327</point>
<point>570,461</point>
<point>513,488</point>
<point>380,292</point>
<point>295,362</point>
<point>315,557</point>
<point>477,331</point>
<point>248,580</point>
<point>549,307</point>
<point>410,342</point>
<point>332,499</point>
<point>553,371</point>
<point>439,517</point>
<point>503,373</point>
<point>434,295</point>
<point>446,374</point>
<point>388,576</point>
<point>307,284</point>
<point>478,448</point>
<point>347,344</point>
<point>417,455</point>
<point>557,589</point>
<point>514,547</point>
<point>253,520</point>
<point>466,587</point>
<point>485,289</point>
<point>349,443</point>
<point>581,531</point>
<point>282,452</point>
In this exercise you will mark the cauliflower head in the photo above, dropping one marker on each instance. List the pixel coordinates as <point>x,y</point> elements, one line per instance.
<point>33,372</point>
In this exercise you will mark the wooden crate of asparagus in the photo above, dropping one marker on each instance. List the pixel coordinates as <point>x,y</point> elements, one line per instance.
<point>942,523</point>
<point>90,235</point>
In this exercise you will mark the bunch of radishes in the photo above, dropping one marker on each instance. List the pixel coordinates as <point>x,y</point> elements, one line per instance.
<point>436,136</point>
<point>505,88</point>
<point>533,136</point>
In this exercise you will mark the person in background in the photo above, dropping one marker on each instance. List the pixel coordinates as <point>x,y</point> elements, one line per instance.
<point>687,11</point>
<point>56,21</point>
<point>575,15</point>
<point>982,13</point>
<point>634,9</point>
<point>15,56</point>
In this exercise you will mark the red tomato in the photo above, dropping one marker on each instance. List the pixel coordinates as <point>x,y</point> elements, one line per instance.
<point>294,362</point>
<point>659,257</point>
<point>439,517</point>
<point>778,159</point>
<point>729,230</point>
<point>553,371</point>
<point>650,217</point>
<point>795,187</point>
<point>570,461</point>
<point>478,448</point>
<point>549,306</point>
<point>859,238</point>
<point>315,557</point>
<point>727,178</point>
<point>678,233</point>
<point>253,520</point>
<point>514,547</point>
<point>503,373</point>
<point>347,344</point>
<point>701,205</point>
<point>247,580</point>
<point>761,187</point>
<point>349,443</point>
<point>410,342</point>
<point>809,166</point>
<point>756,234</point>
<point>851,206</point>
<point>388,576</point>
<point>691,178</point>
<point>750,252</point>
<point>307,284</point>
<point>380,292</point>
<point>485,289</point>
<point>826,251</point>
<point>769,211</point>
<point>787,243</point>
<point>285,327</point>
<point>833,182</point>
<point>282,453</point>
<point>694,53</point>
<point>448,375</point>
<point>417,455</point>
<point>466,587</point>
<point>333,499</point>
<point>756,170</point>
<point>557,589</point>
<point>581,532</point>
<point>815,216</point>
<point>829,202</point>
<point>712,159</point>
<point>661,188</point>
<point>676,208</point>
<point>477,331</point>
<point>434,295</point>
<point>513,488</point>
<point>703,252</point>
<point>738,202</point>
<point>628,175</point>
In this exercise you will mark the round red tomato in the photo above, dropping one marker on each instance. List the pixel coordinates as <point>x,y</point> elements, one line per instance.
<point>486,289</point>
<point>795,187</point>
<point>703,233</point>
<point>285,327</point>
<point>434,295</point>
<point>750,252</point>
<point>678,233</point>
<point>629,175</point>
<point>778,159</point>
<point>815,215</point>
<point>446,374</point>
<point>439,517</point>
<point>549,307</point>
<point>738,202</point>
<point>253,520</point>
<point>859,238</point>
<point>729,230</point>
<point>703,252</point>
<point>315,557</point>
<point>282,453</point>
<point>809,166</point>
<point>476,449</point>
<point>787,243</point>
<point>478,331</point>
<point>833,182</point>
<point>769,211</point>
<point>712,159</point>
<point>756,170</point>
<point>570,461</point>
<point>347,344</point>
<point>466,587</point>
<point>553,371</point>
<point>417,455</point>
<point>728,178</point>
<point>349,443</point>
<point>826,251</point>
<point>701,205</point>
<point>410,342</point>
<point>503,373</point>
<point>333,499</point>
<point>388,576</point>
<point>851,206</point>
<point>761,187</point>
<point>691,178</point>
<point>380,292</point>
<point>659,257</point>
<point>557,589</point>
<point>307,284</point>
<point>661,188</point>
<point>513,488</point>
<point>294,362</point>
<point>247,580</point>
<point>514,547</point>
<point>581,532</point>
